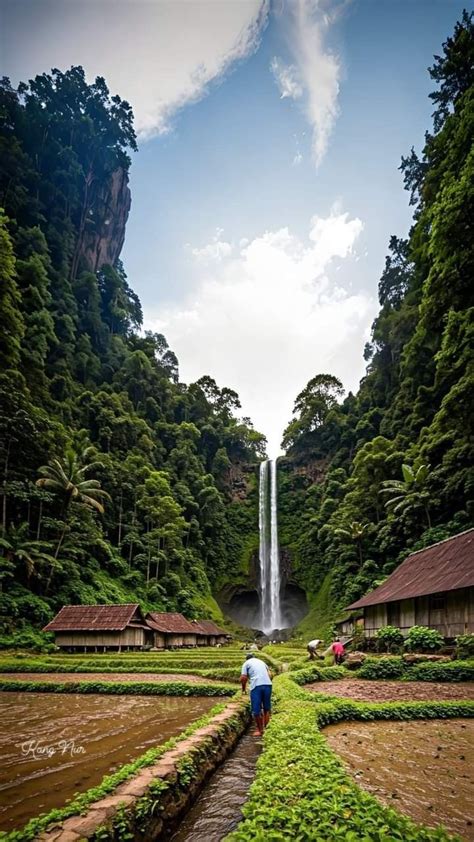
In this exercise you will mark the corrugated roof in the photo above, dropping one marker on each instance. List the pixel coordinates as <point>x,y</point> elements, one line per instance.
<point>169,623</point>
<point>94,617</point>
<point>445,566</point>
<point>208,627</point>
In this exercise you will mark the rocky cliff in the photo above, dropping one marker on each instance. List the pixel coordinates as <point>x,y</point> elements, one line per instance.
<point>106,219</point>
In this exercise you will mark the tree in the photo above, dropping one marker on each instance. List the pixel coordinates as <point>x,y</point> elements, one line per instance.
<point>67,478</point>
<point>12,330</point>
<point>312,406</point>
<point>409,493</point>
<point>355,531</point>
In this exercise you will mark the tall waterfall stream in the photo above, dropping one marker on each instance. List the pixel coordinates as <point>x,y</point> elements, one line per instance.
<point>269,554</point>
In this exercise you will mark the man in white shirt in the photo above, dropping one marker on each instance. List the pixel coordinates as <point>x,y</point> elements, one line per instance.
<point>312,646</point>
<point>260,690</point>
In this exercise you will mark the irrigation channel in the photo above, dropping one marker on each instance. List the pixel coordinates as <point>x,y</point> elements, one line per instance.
<point>217,811</point>
<point>53,746</point>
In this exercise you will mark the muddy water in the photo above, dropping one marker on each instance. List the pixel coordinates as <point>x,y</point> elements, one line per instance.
<point>423,769</point>
<point>217,810</point>
<point>53,746</point>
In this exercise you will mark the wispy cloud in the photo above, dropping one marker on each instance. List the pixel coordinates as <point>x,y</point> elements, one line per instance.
<point>314,74</point>
<point>265,315</point>
<point>286,79</point>
<point>160,55</point>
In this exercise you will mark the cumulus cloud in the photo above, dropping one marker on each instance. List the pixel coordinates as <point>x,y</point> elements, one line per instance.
<point>215,251</point>
<point>158,54</point>
<point>266,316</point>
<point>315,73</point>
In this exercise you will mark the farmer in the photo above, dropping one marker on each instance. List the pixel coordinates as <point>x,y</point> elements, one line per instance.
<point>260,690</point>
<point>312,646</point>
<point>338,651</point>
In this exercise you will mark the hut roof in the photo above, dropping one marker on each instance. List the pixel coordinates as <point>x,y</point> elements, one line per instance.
<point>169,623</point>
<point>95,618</point>
<point>445,566</point>
<point>208,627</point>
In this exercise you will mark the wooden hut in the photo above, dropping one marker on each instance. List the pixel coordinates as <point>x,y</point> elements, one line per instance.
<point>433,587</point>
<point>210,634</point>
<point>171,631</point>
<point>95,628</point>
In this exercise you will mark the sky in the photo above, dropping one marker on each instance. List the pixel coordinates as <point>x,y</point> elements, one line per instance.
<point>266,184</point>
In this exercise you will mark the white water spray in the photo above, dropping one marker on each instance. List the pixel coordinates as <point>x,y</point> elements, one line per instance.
<point>269,555</point>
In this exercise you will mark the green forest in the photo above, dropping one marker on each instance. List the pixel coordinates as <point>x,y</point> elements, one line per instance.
<point>389,469</point>
<point>120,483</point>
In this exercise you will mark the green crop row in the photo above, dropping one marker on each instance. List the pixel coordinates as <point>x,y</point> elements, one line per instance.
<point>162,688</point>
<point>302,791</point>
<point>397,668</point>
<point>318,673</point>
<point>109,783</point>
<point>215,672</point>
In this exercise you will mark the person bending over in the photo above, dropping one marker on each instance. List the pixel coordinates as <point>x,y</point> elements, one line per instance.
<point>257,672</point>
<point>312,646</point>
<point>338,651</point>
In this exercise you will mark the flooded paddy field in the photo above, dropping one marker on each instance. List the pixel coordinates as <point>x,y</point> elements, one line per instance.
<point>217,810</point>
<point>423,769</point>
<point>362,690</point>
<point>53,746</point>
<point>106,676</point>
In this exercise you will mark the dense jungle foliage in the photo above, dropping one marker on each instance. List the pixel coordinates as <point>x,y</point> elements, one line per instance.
<point>116,478</point>
<point>389,469</point>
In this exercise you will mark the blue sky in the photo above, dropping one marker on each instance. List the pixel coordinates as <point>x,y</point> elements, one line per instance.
<point>266,185</point>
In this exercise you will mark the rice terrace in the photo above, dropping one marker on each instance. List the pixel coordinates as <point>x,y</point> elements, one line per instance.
<point>236,616</point>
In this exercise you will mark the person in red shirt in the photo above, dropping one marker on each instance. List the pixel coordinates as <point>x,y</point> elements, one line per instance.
<point>338,651</point>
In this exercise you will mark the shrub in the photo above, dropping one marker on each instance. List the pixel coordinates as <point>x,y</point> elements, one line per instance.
<point>378,668</point>
<point>465,646</point>
<point>389,638</point>
<point>423,639</point>
<point>450,671</point>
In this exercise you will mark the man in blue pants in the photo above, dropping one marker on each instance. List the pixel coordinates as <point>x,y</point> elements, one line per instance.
<point>260,690</point>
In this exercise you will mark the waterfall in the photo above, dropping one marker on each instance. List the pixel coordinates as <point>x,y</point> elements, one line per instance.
<point>264,546</point>
<point>269,556</point>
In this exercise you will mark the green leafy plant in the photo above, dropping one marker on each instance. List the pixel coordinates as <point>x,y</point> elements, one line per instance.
<point>423,639</point>
<point>465,646</point>
<point>389,638</point>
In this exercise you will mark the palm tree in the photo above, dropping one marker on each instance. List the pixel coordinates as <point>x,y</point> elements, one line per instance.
<point>67,478</point>
<point>355,531</point>
<point>17,547</point>
<point>409,493</point>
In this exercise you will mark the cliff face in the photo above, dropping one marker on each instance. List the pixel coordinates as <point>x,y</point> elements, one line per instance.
<point>106,220</point>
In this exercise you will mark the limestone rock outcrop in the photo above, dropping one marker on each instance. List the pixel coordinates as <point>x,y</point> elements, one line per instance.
<point>106,219</point>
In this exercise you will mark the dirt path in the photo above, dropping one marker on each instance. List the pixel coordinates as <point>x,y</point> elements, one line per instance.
<point>104,676</point>
<point>394,691</point>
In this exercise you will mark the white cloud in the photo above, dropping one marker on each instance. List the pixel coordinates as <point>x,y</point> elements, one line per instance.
<point>216,251</point>
<point>269,317</point>
<point>158,54</point>
<point>315,71</point>
<point>286,79</point>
